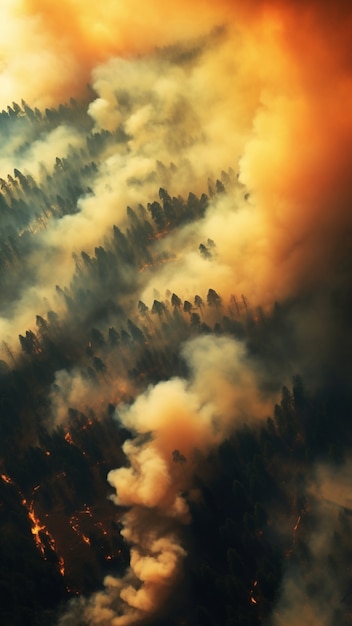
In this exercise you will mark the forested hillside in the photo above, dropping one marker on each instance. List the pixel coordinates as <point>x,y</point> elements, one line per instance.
<point>175,314</point>
<point>253,493</point>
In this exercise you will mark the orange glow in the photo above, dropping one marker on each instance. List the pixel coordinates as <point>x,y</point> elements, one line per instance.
<point>36,529</point>
<point>252,599</point>
<point>61,566</point>
<point>68,438</point>
<point>7,479</point>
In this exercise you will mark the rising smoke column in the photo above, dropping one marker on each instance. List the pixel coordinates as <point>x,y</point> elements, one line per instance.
<point>176,423</point>
<point>294,144</point>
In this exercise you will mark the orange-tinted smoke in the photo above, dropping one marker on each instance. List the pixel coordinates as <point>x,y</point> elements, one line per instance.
<point>297,161</point>
<point>90,33</point>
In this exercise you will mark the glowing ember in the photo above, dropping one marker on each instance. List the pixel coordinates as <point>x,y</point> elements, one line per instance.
<point>37,527</point>
<point>68,438</point>
<point>252,598</point>
<point>7,479</point>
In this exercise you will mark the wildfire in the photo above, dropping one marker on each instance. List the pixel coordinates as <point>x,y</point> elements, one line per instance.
<point>162,233</point>
<point>158,262</point>
<point>74,523</point>
<point>252,598</point>
<point>7,479</point>
<point>61,566</point>
<point>37,527</point>
<point>145,266</point>
<point>68,438</point>
<point>87,510</point>
<point>109,557</point>
<point>101,527</point>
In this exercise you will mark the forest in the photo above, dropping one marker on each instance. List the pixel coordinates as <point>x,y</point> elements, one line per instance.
<point>256,504</point>
<point>175,313</point>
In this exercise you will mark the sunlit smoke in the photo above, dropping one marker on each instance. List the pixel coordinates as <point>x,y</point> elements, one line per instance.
<point>177,422</point>
<point>185,92</point>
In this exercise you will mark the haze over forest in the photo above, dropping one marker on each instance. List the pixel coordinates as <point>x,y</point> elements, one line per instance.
<point>175,313</point>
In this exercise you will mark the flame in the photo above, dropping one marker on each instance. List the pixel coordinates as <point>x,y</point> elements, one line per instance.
<point>36,526</point>
<point>61,566</point>
<point>74,523</point>
<point>68,438</point>
<point>101,527</point>
<point>161,233</point>
<point>7,479</point>
<point>155,263</point>
<point>109,557</point>
<point>252,599</point>
<point>87,510</point>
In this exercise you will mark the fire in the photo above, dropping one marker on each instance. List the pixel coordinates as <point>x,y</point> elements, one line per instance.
<point>74,523</point>
<point>252,598</point>
<point>145,266</point>
<point>68,438</point>
<point>174,257</point>
<point>61,566</point>
<point>109,557</point>
<point>7,479</point>
<point>87,510</point>
<point>101,527</point>
<point>37,527</point>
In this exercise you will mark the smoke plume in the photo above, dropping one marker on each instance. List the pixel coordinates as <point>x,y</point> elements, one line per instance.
<point>176,423</point>
<point>185,95</point>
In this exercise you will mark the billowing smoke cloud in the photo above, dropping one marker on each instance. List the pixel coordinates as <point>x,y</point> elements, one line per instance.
<point>243,98</point>
<point>265,90</point>
<point>63,42</point>
<point>176,423</point>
